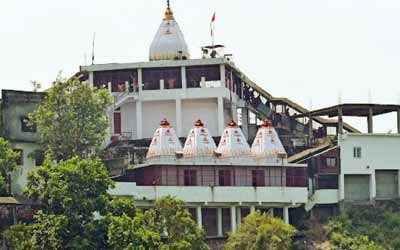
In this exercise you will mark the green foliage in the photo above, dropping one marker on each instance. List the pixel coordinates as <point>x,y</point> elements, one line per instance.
<point>69,192</point>
<point>72,120</point>
<point>119,206</point>
<point>168,219</point>
<point>367,228</point>
<point>174,220</point>
<point>261,232</point>
<point>68,222</point>
<point>8,163</point>
<point>74,188</point>
<point>127,233</point>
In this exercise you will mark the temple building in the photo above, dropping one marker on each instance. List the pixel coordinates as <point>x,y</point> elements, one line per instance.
<point>221,185</point>
<point>201,130</point>
<point>297,158</point>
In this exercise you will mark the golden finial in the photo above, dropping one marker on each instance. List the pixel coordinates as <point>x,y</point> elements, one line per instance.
<point>169,15</point>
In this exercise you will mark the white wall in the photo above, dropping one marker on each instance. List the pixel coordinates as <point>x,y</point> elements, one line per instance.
<point>128,117</point>
<point>379,151</point>
<point>154,112</point>
<point>205,109</point>
<point>19,176</point>
<point>288,195</point>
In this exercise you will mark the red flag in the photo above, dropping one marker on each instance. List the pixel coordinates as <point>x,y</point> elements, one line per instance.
<point>213,18</point>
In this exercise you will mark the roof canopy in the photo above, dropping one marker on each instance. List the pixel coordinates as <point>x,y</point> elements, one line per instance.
<point>353,109</point>
<point>199,142</point>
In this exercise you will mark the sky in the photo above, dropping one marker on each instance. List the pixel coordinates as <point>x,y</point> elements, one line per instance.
<point>315,52</point>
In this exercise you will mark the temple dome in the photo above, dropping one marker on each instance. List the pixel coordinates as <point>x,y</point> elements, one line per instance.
<point>233,143</point>
<point>169,42</point>
<point>199,142</point>
<point>267,148</point>
<point>164,144</point>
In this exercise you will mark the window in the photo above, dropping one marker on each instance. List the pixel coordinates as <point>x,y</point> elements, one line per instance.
<point>20,159</point>
<point>117,78</point>
<point>117,123</point>
<point>224,177</point>
<point>39,158</point>
<point>330,162</point>
<point>172,78</point>
<point>357,152</point>
<point>190,177</point>
<point>25,127</point>
<point>258,178</point>
<point>196,73</point>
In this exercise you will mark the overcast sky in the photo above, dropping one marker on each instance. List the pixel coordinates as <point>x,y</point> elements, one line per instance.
<point>307,50</point>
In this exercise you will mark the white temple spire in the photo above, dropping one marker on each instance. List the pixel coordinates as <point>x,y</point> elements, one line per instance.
<point>169,42</point>
<point>164,144</point>
<point>199,142</point>
<point>233,144</point>
<point>267,148</point>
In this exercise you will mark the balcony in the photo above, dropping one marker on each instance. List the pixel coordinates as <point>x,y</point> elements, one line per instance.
<point>218,194</point>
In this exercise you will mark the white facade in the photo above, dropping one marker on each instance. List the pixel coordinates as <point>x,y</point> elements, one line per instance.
<point>19,176</point>
<point>251,196</point>
<point>142,110</point>
<point>376,152</point>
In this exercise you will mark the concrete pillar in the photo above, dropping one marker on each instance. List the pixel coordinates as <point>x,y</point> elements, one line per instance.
<point>109,87</point>
<point>161,84</point>
<point>370,121</point>
<point>286,215</point>
<point>245,122</point>
<point>398,121</point>
<point>372,186</point>
<point>126,86</point>
<point>140,80</point>
<point>310,130</point>
<point>91,78</point>
<point>234,112</point>
<point>239,215</point>
<point>233,219</point>
<point>271,212</point>
<point>199,217</point>
<point>219,222</point>
<point>398,183</point>
<point>341,187</point>
<point>221,121</point>
<point>183,76</point>
<point>139,120</point>
<point>178,110</point>
<point>252,209</point>
<point>340,121</point>
<point>222,71</point>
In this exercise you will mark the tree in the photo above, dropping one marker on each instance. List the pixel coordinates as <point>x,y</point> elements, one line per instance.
<point>344,235</point>
<point>261,232</point>
<point>167,226</point>
<point>8,163</point>
<point>132,233</point>
<point>172,220</point>
<point>75,188</point>
<point>69,193</point>
<point>72,120</point>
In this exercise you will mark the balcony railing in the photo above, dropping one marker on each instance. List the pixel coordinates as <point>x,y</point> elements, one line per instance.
<point>178,178</point>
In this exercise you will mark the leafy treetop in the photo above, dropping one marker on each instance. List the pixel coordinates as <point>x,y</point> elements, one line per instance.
<point>72,120</point>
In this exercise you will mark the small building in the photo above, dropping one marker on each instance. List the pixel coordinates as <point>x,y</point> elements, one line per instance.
<point>220,184</point>
<point>354,167</point>
<point>15,108</point>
